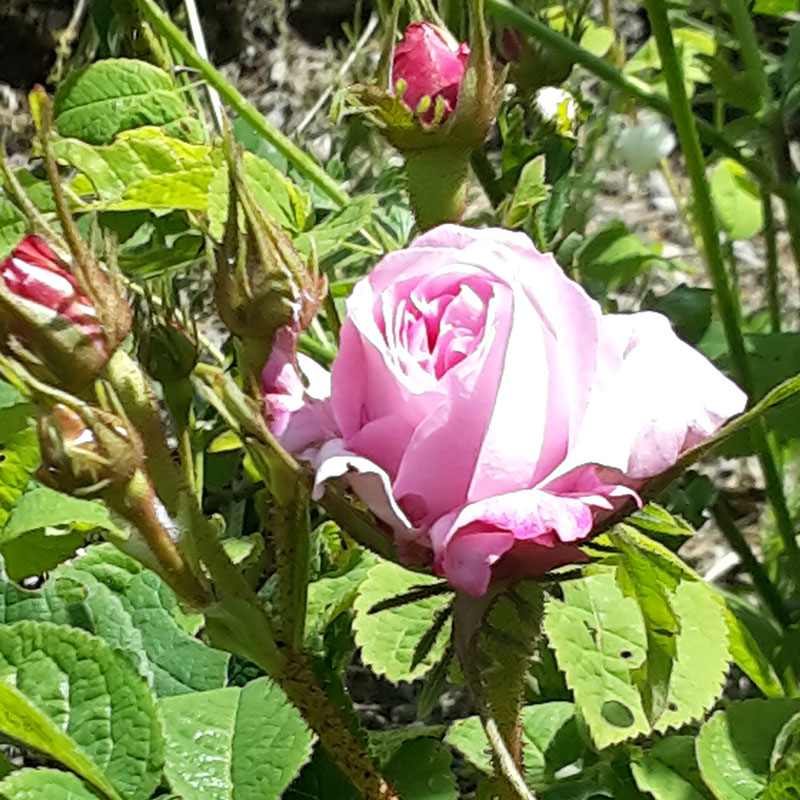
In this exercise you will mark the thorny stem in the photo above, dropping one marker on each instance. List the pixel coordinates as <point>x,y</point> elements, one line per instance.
<point>771,246</point>
<point>294,674</point>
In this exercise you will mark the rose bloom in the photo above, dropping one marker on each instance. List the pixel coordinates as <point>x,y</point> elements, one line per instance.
<point>486,411</point>
<point>432,64</point>
<point>43,306</point>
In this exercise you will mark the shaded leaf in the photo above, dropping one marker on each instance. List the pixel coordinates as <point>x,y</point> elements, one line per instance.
<point>44,784</point>
<point>735,745</point>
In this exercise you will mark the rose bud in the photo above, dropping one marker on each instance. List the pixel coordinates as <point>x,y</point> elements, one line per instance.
<point>48,318</point>
<point>488,413</point>
<point>435,102</point>
<point>87,451</point>
<point>428,67</point>
<point>262,284</point>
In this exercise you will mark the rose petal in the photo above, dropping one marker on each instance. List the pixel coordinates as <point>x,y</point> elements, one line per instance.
<point>469,544</point>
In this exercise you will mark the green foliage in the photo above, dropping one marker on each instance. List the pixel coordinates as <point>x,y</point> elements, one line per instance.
<point>388,638</point>
<point>550,741</point>
<point>12,227</point>
<point>420,770</point>
<point>737,199</point>
<point>44,784</point>
<point>613,257</point>
<point>19,451</point>
<point>83,704</point>
<point>96,103</point>
<point>670,772</point>
<point>735,745</point>
<point>234,744</point>
<point>112,596</point>
<point>643,646</point>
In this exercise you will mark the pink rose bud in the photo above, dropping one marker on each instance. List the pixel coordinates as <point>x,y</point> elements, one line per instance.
<point>431,64</point>
<point>87,452</point>
<point>44,309</point>
<point>488,413</point>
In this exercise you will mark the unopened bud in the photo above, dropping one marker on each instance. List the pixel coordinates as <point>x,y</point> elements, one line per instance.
<point>261,284</point>
<point>47,317</point>
<point>87,451</point>
<point>429,64</point>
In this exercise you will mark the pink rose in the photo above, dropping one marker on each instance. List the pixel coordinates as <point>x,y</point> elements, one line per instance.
<point>43,306</point>
<point>488,413</point>
<point>432,64</point>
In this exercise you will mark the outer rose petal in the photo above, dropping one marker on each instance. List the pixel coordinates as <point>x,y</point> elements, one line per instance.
<point>373,486</point>
<point>654,397</point>
<point>298,414</point>
<point>541,527</point>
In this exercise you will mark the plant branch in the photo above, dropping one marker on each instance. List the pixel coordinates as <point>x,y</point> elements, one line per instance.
<point>769,594</point>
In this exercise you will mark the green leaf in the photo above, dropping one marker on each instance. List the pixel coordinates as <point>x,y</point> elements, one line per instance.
<point>747,652</point>
<point>735,745</point>
<point>599,640</point>
<point>785,785</point>
<point>670,772</point>
<point>278,196</point>
<point>330,235</point>
<point>737,199</point>
<point>19,455</point>
<point>331,595</point>
<point>44,784</point>
<point>321,778</point>
<point>234,744</point>
<point>144,169</point>
<point>613,257</point>
<point>115,598</point>
<point>776,8</point>
<point>388,638</point>
<point>662,526</point>
<point>96,103</point>
<point>688,309</point>
<point>12,227</point>
<point>550,741</point>
<point>42,507</point>
<point>92,695</point>
<point>39,551</point>
<point>531,190</point>
<point>687,653</point>
<point>23,722</point>
<point>420,770</point>
<point>133,609</point>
